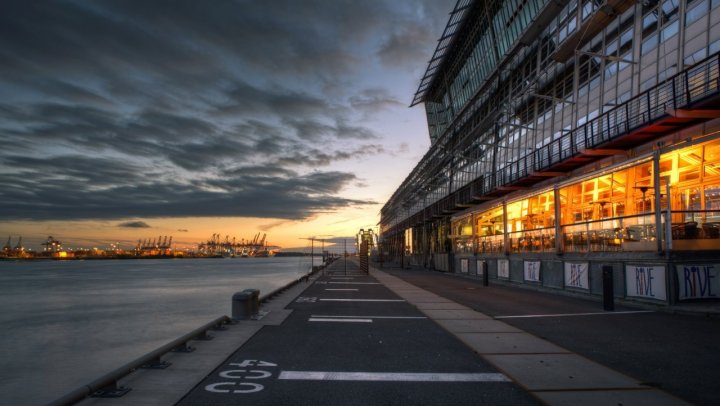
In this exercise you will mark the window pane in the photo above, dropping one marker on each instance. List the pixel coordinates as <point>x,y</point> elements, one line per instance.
<point>649,44</point>
<point>696,12</point>
<point>669,31</point>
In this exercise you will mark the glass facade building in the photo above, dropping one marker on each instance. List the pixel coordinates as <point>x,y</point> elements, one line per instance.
<point>568,132</point>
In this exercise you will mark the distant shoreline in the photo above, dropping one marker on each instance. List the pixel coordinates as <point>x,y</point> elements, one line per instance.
<point>100,258</point>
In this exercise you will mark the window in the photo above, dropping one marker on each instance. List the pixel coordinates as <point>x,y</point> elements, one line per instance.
<point>649,44</point>
<point>650,24</point>
<point>669,9</point>
<point>696,12</point>
<point>669,31</point>
<point>714,47</point>
<point>695,57</point>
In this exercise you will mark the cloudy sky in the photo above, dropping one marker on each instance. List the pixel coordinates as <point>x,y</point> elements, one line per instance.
<point>122,120</point>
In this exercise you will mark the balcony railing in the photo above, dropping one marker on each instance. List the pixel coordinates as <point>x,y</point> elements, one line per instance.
<point>685,90</point>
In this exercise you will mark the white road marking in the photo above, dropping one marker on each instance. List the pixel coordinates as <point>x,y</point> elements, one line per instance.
<point>357,283</point>
<point>392,376</point>
<point>370,317</point>
<point>361,300</point>
<point>571,314</point>
<point>338,320</point>
<point>355,290</point>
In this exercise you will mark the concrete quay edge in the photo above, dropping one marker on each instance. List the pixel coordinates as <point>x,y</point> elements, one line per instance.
<point>168,386</point>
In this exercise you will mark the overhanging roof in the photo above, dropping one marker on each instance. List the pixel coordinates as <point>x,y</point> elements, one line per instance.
<point>456,18</point>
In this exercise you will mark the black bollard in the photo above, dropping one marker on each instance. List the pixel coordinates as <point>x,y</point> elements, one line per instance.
<point>608,289</point>
<point>254,301</point>
<point>241,309</point>
<point>485,273</point>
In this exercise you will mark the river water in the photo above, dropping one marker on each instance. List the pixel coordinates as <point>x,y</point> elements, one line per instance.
<point>66,323</point>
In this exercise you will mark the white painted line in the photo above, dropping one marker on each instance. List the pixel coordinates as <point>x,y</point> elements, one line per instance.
<point>371,317</point>
<point>392,376</point>
<point>355,290</point>
<point>571,314</point>
<point>357,283</point>
<point>360,300</point>
<point>341,320</point>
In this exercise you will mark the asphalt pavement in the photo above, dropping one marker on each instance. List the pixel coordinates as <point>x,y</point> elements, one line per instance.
<point>350,340</point>
<point>418,337</point>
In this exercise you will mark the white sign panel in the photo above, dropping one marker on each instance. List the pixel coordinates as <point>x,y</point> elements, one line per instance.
<point>645,281</point>
<point>464,265</point>
<point>698,281</point>
<point>503,269</point>
<point>532,271</point>
<point>480,266</point>
<point>576,275</point>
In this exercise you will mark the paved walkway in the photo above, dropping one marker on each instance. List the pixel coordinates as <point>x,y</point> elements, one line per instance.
<point>352,341</point>
<point>677,353</point>
<point>553,374</point>
<point>349,338</point>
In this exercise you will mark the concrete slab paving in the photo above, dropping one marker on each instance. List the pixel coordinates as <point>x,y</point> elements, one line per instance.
<point>477,326</point>
<point>439,314</point>
<point>422,298</point>
<point>446,305</point>
<point>553,374</point>
<point>509,343</point>
<point>640,397</point>
<point>539,372</point>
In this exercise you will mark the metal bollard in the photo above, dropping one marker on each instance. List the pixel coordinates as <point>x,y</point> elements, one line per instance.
<point>254,301</point>
<point>485,274</point>
<point>608,288</point>
<point>241,306</point>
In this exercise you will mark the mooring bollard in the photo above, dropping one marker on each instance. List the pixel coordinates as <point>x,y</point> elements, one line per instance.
<point>485,274</point>
<point>254,301</point>
<point>241,306</point>
<point>608,288</point>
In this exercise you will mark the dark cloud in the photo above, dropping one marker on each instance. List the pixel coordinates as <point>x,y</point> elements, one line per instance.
<point>373,100</point>
<point>114,109</point>
<point>73,192</point>
<point>134,224</point>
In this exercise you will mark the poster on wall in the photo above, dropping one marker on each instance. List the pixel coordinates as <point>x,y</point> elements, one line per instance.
<point>480,266</point>
<point>576,275</point>
<point>532,271</point>
<point>698,281</point>
<point>464,265</point>
<point>645,281</point>
<point>503,269</point>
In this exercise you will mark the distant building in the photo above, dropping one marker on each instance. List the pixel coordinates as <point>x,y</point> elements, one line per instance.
<point>51,245</point>
<point>567,136</point>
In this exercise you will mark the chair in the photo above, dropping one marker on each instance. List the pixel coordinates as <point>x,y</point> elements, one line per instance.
<point>691,230</point>
<point>711,230</point>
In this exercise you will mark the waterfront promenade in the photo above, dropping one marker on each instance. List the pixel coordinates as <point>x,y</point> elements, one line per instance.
<point>421,337</point>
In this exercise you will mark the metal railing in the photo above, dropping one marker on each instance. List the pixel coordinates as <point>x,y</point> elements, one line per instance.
<point>680,91</point>
<point>685,89</point>
<point>626,233</point>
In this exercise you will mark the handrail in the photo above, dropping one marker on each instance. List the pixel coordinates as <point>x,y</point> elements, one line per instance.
<point>111,378</point>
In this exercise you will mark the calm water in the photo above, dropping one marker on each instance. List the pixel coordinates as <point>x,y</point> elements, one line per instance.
<point>66,323</point>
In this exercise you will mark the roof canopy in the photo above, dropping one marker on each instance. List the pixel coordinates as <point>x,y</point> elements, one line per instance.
<point>456,18</point>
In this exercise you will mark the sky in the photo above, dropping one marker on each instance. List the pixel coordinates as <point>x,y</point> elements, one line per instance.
<point>125,120</point>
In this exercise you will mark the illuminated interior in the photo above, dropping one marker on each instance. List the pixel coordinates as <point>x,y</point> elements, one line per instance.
<point>615,210</point>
